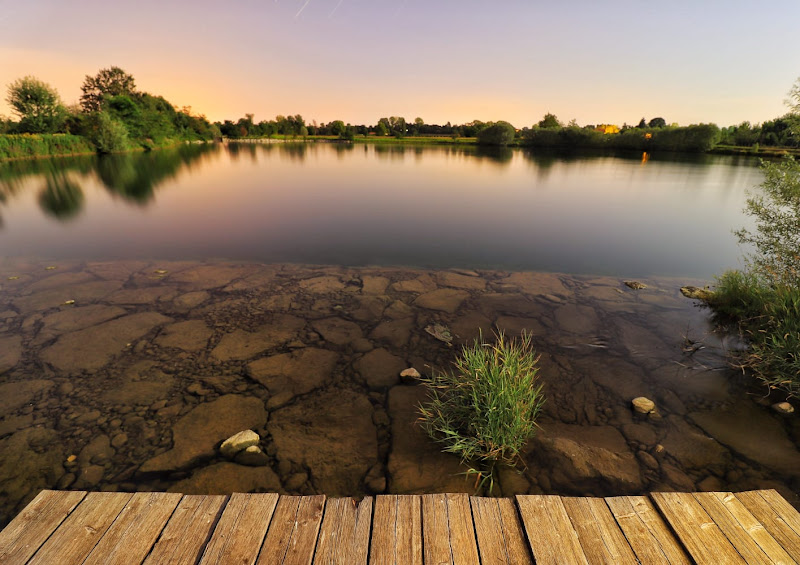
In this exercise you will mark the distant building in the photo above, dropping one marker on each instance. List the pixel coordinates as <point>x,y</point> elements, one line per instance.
<point>607,128</point>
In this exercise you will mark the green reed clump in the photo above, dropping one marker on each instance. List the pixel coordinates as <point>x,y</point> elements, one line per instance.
<point>769,315</point>
<point>485,409</point>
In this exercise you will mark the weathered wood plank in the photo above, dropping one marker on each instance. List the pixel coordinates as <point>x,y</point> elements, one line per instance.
<point>447,529</point>
<point>550,532</point>
<point>292,536</point>
<point>741,528</point>
<point>137,527</point>
<point>241,529</point>
<point>77,536</point>
<point>344,534</point>
<point>499,533</point>
<point>646,532</point>
<point>697,531</point>
<point>778,517</point>
<point>599,535</point>
<point>188,531</point>
<point>397,530</point>
<point>38,520</point>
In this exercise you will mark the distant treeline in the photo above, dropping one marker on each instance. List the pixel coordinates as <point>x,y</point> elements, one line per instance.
<point>112,116</point>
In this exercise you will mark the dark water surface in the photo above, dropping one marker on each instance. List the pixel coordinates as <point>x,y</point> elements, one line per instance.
<point>436,207</point>
<point>126,373</point>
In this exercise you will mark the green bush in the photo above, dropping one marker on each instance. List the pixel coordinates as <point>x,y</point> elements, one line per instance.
<point>109,135</point>
<point>40,145</point>
<point>485,409</point>
<point>500,133</point>
<point>765,299</point>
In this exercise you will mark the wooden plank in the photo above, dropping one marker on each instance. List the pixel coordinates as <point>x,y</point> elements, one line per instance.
<point>550,532</point>
<point>697,531</point>
<point>241,529</point>
<point>397,530</point>
<point>435,530</point>
<point>777,516</point>
<point>38,520</point>
<point>598,532</point>
<point>75,539</point>
<point>292,535</point>
<point>648,535</point>
<point>137,527</point>
<point>344,534</point>
<point>463,545</point>
<point>499,533</point>
<point>188,531</point>
<point>746,533</point>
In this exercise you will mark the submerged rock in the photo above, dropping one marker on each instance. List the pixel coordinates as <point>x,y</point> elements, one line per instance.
<point>635,285</point>
<point>697,293</point>
<point>196,434</point>
<point>226,478</point>
<point>783,408</point>
<point>252,456</point>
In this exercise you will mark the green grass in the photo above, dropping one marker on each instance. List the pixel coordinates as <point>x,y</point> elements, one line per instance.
<point>485,409</point>
<point>43,145</point>
<point>769,316</point>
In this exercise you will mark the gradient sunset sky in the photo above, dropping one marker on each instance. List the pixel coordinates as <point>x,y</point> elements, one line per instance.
<point>596,61</point>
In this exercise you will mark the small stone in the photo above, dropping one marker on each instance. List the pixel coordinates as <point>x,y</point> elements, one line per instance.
<point>409,375</point>
<point>295,481</point>
<point>92,475</point>
<point>635,285</point>
<point>119,440</point>
<point>697,293</point>
<point>238,442</point>
<point>252,457</point>
<point>643,405</point>
<point>647,460</point>
<point>783,408</point>
<point>197,389</point>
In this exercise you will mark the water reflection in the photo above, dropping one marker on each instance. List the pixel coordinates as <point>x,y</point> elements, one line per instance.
<point>61,196</point>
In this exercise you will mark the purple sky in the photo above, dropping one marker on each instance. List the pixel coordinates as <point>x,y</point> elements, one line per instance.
<point>610,61</point>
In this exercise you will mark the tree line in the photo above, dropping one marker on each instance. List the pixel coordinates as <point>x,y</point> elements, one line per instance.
<point>113,115</point>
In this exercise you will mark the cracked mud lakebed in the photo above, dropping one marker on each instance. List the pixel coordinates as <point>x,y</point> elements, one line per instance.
<point>128,376</point>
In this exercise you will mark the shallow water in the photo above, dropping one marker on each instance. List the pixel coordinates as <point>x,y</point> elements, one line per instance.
<point>133,385</point>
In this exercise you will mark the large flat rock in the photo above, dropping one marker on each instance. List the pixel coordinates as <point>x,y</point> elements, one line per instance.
<point>75,319</point>
<point>95,346</point>
<point>753,432</point>
<point>380,369</point>
<point>14,396</point>
<point>443,299</point>
<point>10,351</point>
<point>583,456</point>
<point>227,478</point>
<point>241,344</point>
<point>195,435</point>
<point>538,283</point>
<point>191,335</point>
<point>337,331</point>
<point>86,293</point>
<point>332,435</point>
<point>290,374</point>
<point>416,462</point>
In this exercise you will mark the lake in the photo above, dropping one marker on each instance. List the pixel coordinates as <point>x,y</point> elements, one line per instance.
<point>153,305</point>
<point>384,205</point>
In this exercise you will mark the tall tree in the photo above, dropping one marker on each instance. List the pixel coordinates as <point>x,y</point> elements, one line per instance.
<point>37,104</point>
<point>107,82</point>
<point>549,121</point>
<point>657,123</point>
<point>794,103</point>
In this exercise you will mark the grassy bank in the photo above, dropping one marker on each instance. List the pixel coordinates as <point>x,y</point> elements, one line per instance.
<point>755,150</point>
<point>22,146</point>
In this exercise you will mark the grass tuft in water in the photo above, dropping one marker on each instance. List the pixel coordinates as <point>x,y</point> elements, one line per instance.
<point>485,409</point>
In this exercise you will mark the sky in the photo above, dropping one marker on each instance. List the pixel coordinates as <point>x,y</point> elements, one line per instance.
<point>595,61</point>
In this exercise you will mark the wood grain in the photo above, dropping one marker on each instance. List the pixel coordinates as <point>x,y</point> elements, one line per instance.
<point>397,530</point>
<point>499,532</point>
<point>344,533</point>
<point>697,531</point>
<point>599,535</point>
<point>188,531</point>
<point>241,529</point>
<point>38,520</point>
<point>777,516</point>
<point>648,535</point>
<point>77,536</point>
<point>293,532</point>
<point>552,538</point>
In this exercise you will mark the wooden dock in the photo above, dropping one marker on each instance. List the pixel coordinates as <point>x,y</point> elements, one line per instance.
<point>64,527</point>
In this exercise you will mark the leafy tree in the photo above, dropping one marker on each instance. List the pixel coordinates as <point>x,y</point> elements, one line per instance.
<point>794,103</point>
<point>549,121</point>
<point>383,127</point>
<point>109,134</point>
<point>337,127</point>
<point>500,133</point>
<point>107,82</point>
<point>642,124</point>
<point>37,104</point>
<point>657,123</point>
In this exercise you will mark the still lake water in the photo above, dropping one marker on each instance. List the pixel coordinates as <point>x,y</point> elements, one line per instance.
<point>373,205</point>
<point>152,305</point>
